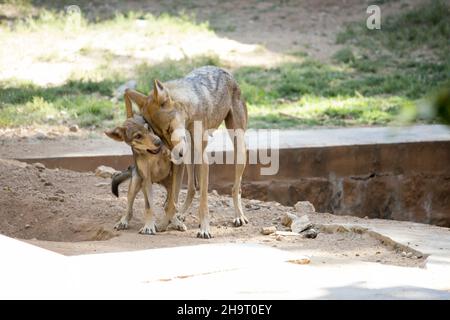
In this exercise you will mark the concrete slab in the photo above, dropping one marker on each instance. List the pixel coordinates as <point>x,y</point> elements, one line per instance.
<point>224,271</point>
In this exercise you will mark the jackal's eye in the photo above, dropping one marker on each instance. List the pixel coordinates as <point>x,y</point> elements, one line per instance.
<point>138,136</point>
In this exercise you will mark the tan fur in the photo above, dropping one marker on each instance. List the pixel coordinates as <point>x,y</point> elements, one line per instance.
<point>210,95</point>
<point>152,165</point>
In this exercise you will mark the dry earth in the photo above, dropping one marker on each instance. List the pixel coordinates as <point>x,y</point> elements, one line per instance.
<point>74,213</point>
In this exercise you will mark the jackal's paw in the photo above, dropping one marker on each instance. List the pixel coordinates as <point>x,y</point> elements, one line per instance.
<point>204,234</point>
<point>148,229</point>
<point>240,221</point>
<point>176,224</point>
<point>121,225</point>
<point>161,227</point>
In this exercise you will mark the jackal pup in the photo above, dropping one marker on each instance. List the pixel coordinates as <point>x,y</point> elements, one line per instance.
<point>151,165</point>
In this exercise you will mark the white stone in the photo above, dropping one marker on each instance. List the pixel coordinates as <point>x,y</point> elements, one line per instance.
<point>304,207</point>
<point>105,172</point>
<point>268,230</point>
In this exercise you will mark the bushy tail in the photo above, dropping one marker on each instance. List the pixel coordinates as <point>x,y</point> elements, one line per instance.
<point>120,177</point>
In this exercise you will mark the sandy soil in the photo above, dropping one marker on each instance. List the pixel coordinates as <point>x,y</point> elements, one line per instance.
<point>74,213</point>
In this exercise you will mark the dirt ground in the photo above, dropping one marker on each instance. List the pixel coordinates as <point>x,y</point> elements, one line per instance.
<point>74,213</point>
<point>281,26</point>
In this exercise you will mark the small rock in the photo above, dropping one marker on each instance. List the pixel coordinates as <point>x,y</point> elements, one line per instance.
<point>47,184</point>
<point>310,233</point>
<point>366,217</point>
<point>268,230</point>
<point>300,224</point>
<point>279,238</point>
<point>39,166</point>
<point>54,198</point>
<point>225,203</point>
<point>101,184</point>
<point>40,136</point>
<point>215,193</point>
<point>27,226</point>
<point>286,233</point>
<point>304,260</point>
<point>403,254</point>
<point>105,172</point>
<point>251,206</point>
<point>287,219</point>
<point>74,128</point>
<point>304,207</point>
<point>409,254</point>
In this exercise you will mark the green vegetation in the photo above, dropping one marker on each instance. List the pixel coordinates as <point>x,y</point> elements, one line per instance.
<point>84,102</point>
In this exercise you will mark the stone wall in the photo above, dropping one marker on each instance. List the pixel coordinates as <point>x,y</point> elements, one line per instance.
<point>409,181</point>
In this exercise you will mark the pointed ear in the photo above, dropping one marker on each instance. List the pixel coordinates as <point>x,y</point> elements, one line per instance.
<point>160,93</point>
<point>117,133</point>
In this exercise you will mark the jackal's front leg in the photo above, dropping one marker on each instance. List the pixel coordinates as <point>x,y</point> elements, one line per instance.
<point>136,97</point>
<point>149,218</point>
<point>172,198</point>
<point>133,189</point>
<point>203,210</point>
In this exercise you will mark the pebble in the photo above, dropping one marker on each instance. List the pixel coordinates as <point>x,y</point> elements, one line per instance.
<point>304,207</point>
<point>300,224</point>
<point>39,166</point>
<point>268,230</point>
<point>105,171</point>
<point>403,254</point>
<point>304,260</point>
<point>74,128</point>
<point>101,184</point>
<point>409,254</point>
<point>40,136</point>
<point>310,233</point>
<point>279,238</point>
<point>55,198</point>
<point>27,226</point>
<point>47,184</point>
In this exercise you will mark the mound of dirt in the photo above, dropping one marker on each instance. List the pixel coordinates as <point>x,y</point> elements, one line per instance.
<point>74,213</point>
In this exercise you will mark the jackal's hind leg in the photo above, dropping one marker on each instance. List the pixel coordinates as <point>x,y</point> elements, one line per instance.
<point>236,121</point>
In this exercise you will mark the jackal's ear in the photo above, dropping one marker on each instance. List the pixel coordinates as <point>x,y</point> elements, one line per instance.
<point>160,93</point>
<point>117,133</point>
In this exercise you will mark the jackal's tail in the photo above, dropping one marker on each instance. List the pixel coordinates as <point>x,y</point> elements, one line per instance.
<point>118,178</point>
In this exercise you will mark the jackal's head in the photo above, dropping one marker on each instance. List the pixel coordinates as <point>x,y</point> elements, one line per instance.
<point>136,133</point>
<point>168,119</point>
